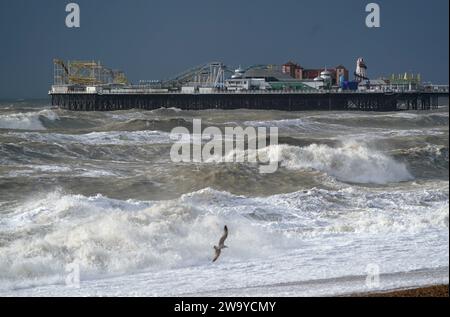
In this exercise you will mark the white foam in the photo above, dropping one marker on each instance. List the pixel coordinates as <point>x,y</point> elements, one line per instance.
<point>99,138</point>
<point>39,170</point>
<point>303,125</point>
<point>27,120</point>
<point>109,237</point>
<point>114,237</point>
<point>349,162</point>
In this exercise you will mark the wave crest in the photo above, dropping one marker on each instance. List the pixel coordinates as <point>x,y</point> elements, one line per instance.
<point>350,162</point>
<point>113,237</point>
<point>27,120</point>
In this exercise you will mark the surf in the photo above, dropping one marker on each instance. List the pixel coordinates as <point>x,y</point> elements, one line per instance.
<point>27,120</point>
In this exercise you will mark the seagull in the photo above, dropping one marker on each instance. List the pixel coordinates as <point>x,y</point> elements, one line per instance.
<point>221,246</point>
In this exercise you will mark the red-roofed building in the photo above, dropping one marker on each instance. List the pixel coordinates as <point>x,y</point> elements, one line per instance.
<point>293,69</point>
<point>298,72</point>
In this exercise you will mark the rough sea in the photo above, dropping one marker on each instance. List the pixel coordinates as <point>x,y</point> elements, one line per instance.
<point>355,194</point>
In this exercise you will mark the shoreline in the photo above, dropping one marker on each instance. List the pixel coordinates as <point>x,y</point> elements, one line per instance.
<point>426,291</point>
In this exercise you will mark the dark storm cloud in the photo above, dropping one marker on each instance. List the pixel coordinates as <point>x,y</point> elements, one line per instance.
<point>155,39</point>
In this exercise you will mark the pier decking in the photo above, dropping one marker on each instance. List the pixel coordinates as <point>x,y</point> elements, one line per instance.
<point>258,100</point>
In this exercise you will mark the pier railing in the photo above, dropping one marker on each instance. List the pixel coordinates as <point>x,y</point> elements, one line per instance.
<point>291,100</point>
<point>440,89</point>
<point>251,92</point>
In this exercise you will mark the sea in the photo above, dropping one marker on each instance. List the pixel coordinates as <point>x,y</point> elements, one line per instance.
<point>91,204</point>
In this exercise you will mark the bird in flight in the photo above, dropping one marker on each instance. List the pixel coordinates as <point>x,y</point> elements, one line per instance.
<point>218,249</point>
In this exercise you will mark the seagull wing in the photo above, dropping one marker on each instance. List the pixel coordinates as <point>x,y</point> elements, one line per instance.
<point>224,237</point>
<point>216,256</point>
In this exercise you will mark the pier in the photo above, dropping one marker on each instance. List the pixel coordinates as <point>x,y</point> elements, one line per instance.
<point>253,100</point>
<point>90,86</point>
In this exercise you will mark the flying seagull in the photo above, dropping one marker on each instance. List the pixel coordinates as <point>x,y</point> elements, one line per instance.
<point>222,245</point>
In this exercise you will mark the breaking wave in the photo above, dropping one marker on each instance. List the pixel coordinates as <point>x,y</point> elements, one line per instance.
<point>314,214</point>
<point>350,162</point>
<point>99,138</point>
<point>434,154</point>
<point>113,237</point>
<point>27,120</point>
<point>107,236</point>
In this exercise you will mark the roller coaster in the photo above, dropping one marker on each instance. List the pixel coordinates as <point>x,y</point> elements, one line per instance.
<point>207,75</point>
<point>86,73</point>
<point>211,74</point>
<point>91,73</point>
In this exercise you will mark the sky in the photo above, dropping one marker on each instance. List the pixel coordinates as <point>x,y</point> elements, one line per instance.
<point>155,39</point>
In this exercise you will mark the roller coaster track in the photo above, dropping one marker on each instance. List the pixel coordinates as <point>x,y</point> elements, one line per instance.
<point>212,74</point>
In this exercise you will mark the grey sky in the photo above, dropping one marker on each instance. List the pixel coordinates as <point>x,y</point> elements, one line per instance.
<point>156,39</point>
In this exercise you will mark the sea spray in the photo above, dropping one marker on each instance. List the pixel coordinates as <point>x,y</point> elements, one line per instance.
<point>27,120</point>
<point>349,162</point>
<point>113,237</point>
